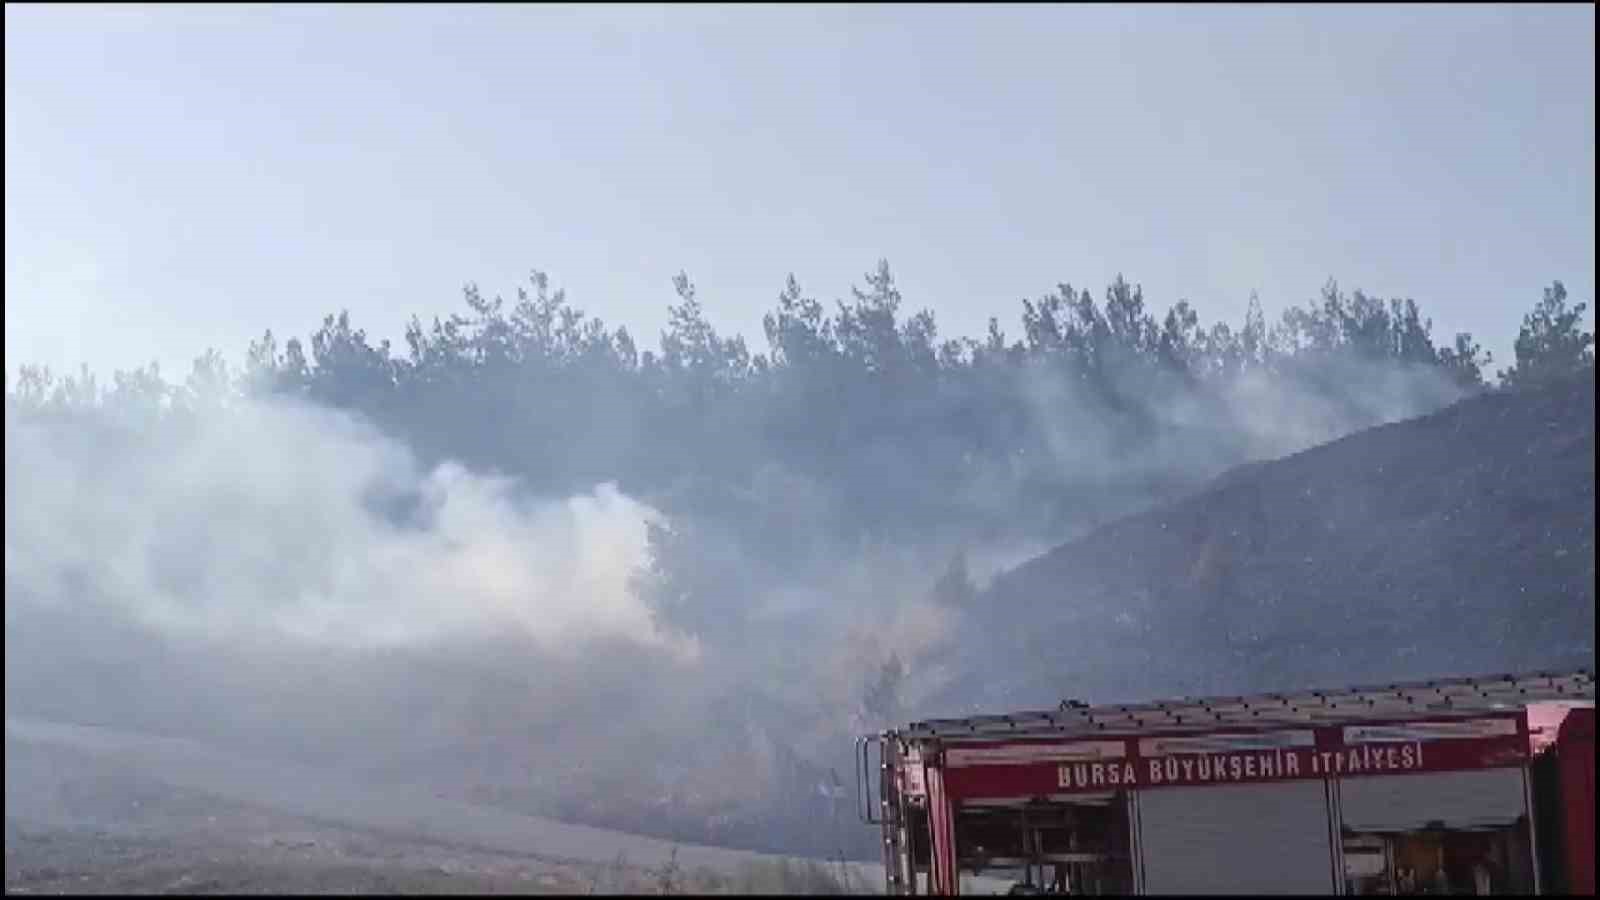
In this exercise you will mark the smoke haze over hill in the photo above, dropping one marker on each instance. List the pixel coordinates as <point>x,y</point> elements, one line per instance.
<point>409,569</point>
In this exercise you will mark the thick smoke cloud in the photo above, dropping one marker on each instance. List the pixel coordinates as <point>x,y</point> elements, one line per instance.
<point>279,521</point>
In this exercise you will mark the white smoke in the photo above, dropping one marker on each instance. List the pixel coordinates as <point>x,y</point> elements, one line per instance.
<point>1257,415</point>
<point>1279,417</point>
<point>267,521</point>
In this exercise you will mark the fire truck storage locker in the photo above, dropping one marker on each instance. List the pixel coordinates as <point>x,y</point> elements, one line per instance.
<point>1481,807</point>
<point>1248,839</point>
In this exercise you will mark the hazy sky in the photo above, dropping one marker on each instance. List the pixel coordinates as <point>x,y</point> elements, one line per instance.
<point>188,176</point>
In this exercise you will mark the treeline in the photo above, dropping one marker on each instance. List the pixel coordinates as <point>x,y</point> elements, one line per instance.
<point>857,422</point>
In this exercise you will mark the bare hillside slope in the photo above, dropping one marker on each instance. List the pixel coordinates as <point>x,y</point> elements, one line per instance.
<point>1461,541</point>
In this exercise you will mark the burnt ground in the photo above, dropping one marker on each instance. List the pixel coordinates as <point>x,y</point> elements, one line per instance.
<point>296,859</point>
<point>1460,542</point>
<point>77,825</point>
<point>250,851</point>
<point>111,812</point>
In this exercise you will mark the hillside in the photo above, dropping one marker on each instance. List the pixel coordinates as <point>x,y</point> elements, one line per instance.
<point>1456,542</point>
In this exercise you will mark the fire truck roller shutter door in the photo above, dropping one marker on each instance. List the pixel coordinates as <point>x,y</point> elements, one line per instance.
<point>1389,803</point>
<point>1244,839</point>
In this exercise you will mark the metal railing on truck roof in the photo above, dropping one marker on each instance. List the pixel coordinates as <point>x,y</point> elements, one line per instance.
<point>1397,700</point>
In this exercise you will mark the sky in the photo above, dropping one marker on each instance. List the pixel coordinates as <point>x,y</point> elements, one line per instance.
<point>185,177</point>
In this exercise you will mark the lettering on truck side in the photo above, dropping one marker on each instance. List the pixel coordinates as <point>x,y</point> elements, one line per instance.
<point>1229,768</point>
<point>1083,776</point>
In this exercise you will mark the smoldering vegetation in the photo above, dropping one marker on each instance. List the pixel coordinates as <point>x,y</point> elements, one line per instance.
<point>530,564</point>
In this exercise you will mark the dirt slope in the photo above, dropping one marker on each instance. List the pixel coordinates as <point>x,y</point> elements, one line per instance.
<point>1457,542</point>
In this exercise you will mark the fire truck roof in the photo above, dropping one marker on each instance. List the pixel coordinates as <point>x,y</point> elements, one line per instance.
<point>1396,701</point>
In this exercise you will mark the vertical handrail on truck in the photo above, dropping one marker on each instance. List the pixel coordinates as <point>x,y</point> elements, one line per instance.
<point>891,813</point>
<point>864,779</point>
<point>888,815</point>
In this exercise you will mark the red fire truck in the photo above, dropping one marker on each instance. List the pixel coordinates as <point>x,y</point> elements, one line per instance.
<point>1466,785</point>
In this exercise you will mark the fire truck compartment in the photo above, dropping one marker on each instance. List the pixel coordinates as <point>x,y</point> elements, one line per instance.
<point>1425,787</point>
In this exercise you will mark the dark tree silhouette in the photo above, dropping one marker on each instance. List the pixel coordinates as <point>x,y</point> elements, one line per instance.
<point>1552,342</point>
